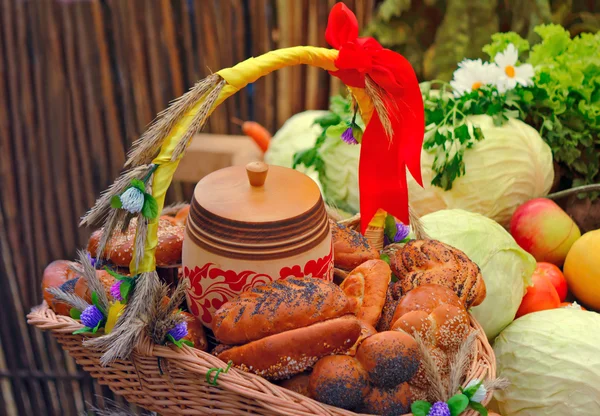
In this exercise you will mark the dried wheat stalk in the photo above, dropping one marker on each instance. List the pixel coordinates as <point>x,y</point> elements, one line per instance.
<point>69,298</point>
<point>173,209</point>
<point>417,225</point>
<point>100,210</point>
<point>161,318</point>
<point>146,148</point>
<point>199,120</point>
<point>84,268</point>
<point>377,96</point>
<point>128,329</point>
<point>432,372</point>
<point>460,363</point>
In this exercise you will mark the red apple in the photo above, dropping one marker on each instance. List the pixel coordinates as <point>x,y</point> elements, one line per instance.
<point>556,277</point>
<point>543,229</point>
<point>539,297</point>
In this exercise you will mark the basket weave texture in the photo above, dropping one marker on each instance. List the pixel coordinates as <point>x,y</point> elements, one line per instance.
<point>181,387</point>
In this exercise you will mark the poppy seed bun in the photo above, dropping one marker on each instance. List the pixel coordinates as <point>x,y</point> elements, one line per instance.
<point>389,357</point>
<point>350,248</point>
<point>366,287</point>
<point>285,354</point>
<point>340,381</point>
<point>298,383</point>
<point>388,402</point>
<point>279,306</point>
<point>429,261</point>
<point>366,331</point>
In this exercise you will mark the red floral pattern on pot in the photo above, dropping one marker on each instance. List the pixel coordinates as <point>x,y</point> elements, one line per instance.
<point>210,287</point>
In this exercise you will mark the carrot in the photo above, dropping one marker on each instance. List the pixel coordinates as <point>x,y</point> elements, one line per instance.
<point>256,132</point>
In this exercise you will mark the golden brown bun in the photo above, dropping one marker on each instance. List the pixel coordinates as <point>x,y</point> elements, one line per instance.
<point>195,332</point>
<point>451,326</point>
<point>83,291</point>
<point>415,322</point>
<point>395,401</point>
<point>58,274</point>
<point>389,357</point>
<point>425,298</point>
<point>350,248</point>
<point>436,314</point>
<point>285,354</point>
<point>340,381</point>
<point>298,383</point>
<point>389,308</point>
<point>366,288</point>
<point>119,249</point>
<point>430,261</point>
<point>277,307</point>
<point>366,331</point>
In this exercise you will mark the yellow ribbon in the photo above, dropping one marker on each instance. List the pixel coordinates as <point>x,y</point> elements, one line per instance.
<point>237,77</point>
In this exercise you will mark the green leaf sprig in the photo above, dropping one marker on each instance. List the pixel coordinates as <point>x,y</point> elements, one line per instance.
<point>456,404</point>
<point>448,133</point>
<point>179,343</point>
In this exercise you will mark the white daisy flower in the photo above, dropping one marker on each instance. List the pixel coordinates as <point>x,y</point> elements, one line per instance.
<point>510,74</point>
<point>472,75</point>
<point>480,393</point>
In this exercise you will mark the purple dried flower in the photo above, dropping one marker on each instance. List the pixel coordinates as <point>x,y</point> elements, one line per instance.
<point>402,232</point>
<point>348,136</point>
<point>91,259</point>
<point>115,291</point>
<point>179,331</point>
<point>439,409</point>
<point>91,316</point>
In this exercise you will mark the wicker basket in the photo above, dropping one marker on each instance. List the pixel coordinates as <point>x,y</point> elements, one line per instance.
<point>181,388</point>
<point>170,380</point>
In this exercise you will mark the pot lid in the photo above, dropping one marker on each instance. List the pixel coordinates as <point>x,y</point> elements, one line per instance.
<point>257,193</point>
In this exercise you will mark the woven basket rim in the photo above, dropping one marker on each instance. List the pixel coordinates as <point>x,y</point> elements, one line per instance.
<point>246,385</point>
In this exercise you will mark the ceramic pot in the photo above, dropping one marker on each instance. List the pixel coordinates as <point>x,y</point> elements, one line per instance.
<point>250,226</point>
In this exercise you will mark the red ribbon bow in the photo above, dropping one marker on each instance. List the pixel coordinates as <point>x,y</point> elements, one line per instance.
<point>383,163</point>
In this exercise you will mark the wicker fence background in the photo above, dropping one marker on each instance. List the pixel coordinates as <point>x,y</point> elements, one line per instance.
<point>79,81</point>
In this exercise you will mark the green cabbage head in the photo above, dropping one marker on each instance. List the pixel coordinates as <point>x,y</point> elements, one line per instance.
<point>506,267</point>
<point>552,360</point>
<point>511,165</point>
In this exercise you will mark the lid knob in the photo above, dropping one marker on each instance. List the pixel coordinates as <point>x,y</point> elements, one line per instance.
<point>257,173</point>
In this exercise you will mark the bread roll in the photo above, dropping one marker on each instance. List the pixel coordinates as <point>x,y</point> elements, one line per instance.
<point>366,287</point>
<point>298,383</point>
<point>58,274</point>
<point>340,381</point>
<point>285,354</point>
<point>279,306</point>
<point>451,326</point>
<point>83,291</point>
<point>425,298</point>
<point>416,322</point>
<point>395,401</point>
<point>196,332</point>
<point>119,250</point>
<point>389,308</point>
<point>350,248</point>
<point>436,314</point>
<point>389,358</point>
<point>182,215</point>
<point>430,261</point>
<point>366,331</point>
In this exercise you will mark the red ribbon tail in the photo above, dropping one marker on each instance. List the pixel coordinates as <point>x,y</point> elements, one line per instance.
<point>381,176</point>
